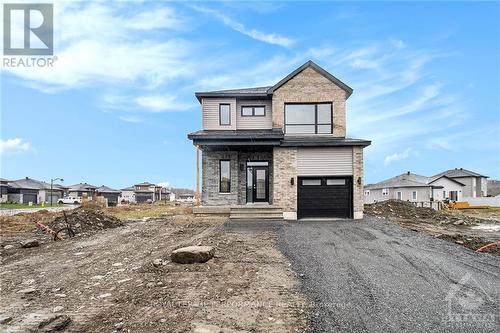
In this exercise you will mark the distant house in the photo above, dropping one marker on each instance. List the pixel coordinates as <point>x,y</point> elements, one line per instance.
<point>412,187</point>
<point>28,190</point>
<point>3,190</point>
<point>185,197</point>
<point>110,194</point>
<point>82,189</point>
<point>147,191</point>
<point>475,184</point>
<point>127,195</point>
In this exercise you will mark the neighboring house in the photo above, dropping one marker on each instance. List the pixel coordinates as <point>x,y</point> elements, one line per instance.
<point>185,197</point>
<point>3,190</point>
<point>127,195</point>
<point>110,194</point>
<point>148,191</point>
<point>81,190</point>
<point>284,145</point>
<point>416,188</point>
<point>28,190</point>
<point>476,185</point>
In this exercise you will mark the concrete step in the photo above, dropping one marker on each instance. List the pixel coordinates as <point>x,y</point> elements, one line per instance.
<point>256,211</point>
<point>257,216</point>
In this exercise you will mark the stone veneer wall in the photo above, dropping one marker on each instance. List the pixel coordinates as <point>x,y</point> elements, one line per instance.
<point>310,86</point>
<point>285,168</point>
<point>210,195</point>
<point>357,171</point>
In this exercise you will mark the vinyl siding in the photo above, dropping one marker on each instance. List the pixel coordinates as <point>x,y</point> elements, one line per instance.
<point>265,122</point>
<point>324,161</point>
<point>210,113</point>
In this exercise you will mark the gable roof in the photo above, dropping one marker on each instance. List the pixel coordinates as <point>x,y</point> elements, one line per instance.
<point>29,183</point>
<point>459,172</point>
<point>408,179</point>
<point>267,91</point>
<point>105,189</point>
<point>318,69</point>
<point>82,187</point>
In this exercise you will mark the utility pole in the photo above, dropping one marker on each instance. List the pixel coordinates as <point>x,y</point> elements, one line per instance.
<point>52,187</point>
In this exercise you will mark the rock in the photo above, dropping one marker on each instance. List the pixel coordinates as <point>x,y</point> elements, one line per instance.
<point>459,222</point>
<point>8,247</point>
<point>459,242</point>
<point>58,309</point>
<point>119,326</point>
<point>157,262</point>
<point>54,324</point>
<point>60,295</point>
<point>5,320</point>
<point>27,291</point>
<point>104,295</point>
<point>29,243</point>
<point>192,254</point>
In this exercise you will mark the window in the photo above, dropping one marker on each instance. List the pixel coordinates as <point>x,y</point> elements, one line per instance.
<point>385,191</point>
<point>308,118</point>
<point>399,195</point>
<point>224,176</point>
<point>367,192</point>
<point>414,195</point>
<point>224,114</point>
<point>444,194</point>
<point>335,182</point>
<point>253,111</point>
<point>311,182</point>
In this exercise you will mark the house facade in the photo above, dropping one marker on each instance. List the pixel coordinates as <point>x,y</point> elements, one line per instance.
<point>415,188</point>
<point>283,145</point>
<point>475,184</point>
<point>26,190</point>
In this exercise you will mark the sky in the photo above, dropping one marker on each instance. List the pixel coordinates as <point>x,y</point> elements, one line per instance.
<point>119,102</point>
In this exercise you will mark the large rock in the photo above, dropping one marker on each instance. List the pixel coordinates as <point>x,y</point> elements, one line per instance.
<point>30,243</point>
<point>192,254</point>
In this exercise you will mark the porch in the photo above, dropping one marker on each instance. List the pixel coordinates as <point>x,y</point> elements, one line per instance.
<point>237,176</point>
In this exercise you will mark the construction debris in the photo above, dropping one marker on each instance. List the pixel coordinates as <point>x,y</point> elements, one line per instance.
<point>86,220</point>
<point>192,254</point>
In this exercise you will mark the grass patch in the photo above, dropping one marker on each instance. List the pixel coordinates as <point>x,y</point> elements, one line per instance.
<point>140,211</point>
<point>26,206</point>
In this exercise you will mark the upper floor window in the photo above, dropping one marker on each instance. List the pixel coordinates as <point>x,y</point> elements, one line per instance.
<point>310,118</point>
<point>252,111</point>
<point>224,114</point>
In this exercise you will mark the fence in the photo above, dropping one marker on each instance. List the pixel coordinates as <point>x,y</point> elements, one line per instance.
<point>481,201</point>
<point>437,205</point>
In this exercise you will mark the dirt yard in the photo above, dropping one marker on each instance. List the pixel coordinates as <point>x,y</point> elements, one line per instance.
<point>471,228</point>
<point>118,277</point>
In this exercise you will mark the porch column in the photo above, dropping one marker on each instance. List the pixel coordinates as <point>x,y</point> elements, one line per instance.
<point>197,193</point>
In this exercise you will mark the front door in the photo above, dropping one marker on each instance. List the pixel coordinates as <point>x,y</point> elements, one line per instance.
<point>257,182</point>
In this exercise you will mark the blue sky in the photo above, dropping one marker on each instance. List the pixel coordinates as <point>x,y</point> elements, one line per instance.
<point>118,104</point>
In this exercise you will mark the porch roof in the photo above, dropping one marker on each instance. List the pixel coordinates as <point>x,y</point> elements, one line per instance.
<point>308,141</point>
<point>271,137</point>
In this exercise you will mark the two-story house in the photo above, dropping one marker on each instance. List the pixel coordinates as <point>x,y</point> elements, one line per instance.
<point>282,146</point>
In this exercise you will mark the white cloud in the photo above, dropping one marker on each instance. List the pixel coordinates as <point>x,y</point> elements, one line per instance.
<point>146,103</point>
<point>164,184</point>
<point>14,145</point>
<point>131,119</point>
<point>270,38</point>
<point>95,43</point>
<point>397,156</point>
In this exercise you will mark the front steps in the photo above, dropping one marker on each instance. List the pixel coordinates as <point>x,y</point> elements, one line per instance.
<point>260,212</point>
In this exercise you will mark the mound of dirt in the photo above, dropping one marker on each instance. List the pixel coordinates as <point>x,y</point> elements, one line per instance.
<point>84,220</point>
<point>400,209</point>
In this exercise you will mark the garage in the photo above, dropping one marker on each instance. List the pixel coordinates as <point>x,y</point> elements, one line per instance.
<point>324,197</point>
<point>29,197</point>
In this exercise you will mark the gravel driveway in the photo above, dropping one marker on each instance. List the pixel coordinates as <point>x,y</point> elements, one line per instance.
<point>373,275</point>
